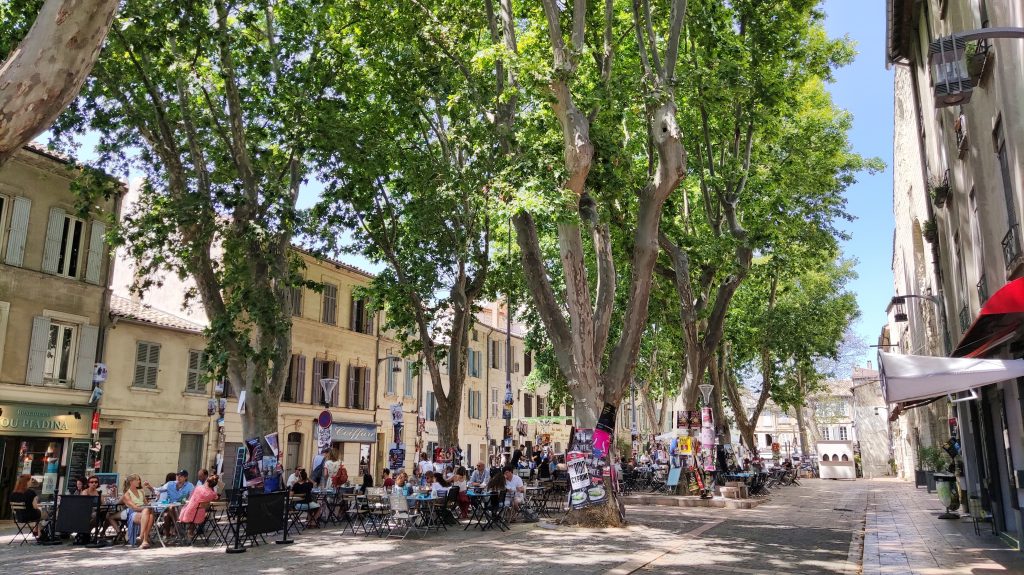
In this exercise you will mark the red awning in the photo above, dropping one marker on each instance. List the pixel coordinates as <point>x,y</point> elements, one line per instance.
<point>998,321</point>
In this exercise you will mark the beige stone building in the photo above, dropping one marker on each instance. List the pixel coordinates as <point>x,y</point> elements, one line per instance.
<point>957,202</point>
<point>54,270</point>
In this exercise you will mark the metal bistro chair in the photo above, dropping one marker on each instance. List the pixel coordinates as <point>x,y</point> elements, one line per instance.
<point>17,509</point>
<point>494,511</point>
<point>402,518</point>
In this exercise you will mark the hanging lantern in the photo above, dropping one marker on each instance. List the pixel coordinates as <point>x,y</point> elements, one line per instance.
<point>898,307</point>
<point>951,81</point>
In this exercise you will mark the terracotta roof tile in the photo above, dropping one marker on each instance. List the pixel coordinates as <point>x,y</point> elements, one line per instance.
<point>144,313</point>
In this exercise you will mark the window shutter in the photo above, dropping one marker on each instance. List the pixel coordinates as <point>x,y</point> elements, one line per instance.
<point>37,350</point>
<point>194,361</point>
<point>19,232</point>
<point>89,334</point>
<point>350,388</point>
<point>335,375</point>
<point>95,259</point>
<point>54,231</point>
<point>289,385</point>
<point>300,380</point>
<point>352,314</point>
<point>366,389</point>
<point>318,391</point>
<point>141,354</point>
<point>389,375</point>
<point>368,322</point>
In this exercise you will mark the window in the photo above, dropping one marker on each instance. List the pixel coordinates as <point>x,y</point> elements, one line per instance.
<point>147,364</point>
<point>362,316</point>
<point>329,313</point>
<point>69,253</point>
<point>431,406</point>
<point>541,407</point>
<point>195,383</point>
<point>4,202</point>
<point>473,408</point>
<point>527,405</point>
<point>568,408</point>
<point>475,336</point>
<point>295,387</point>
<point>842,433</point>
<point>61,352</point>
<point>494,403</point>
<point>390,365</point>
<point>359,387</point>
<point>527,362</point>
<point>1004,170</point>
<point>474,362</point>
<point>190,452</point>
<point>296,296</point>
<point>767,440</point>
<point>961,271</point>
<point>825,434</point>
<point>409,379</point>
<point>495,354</point>
<point>323,369</point>
<point>978,248</point>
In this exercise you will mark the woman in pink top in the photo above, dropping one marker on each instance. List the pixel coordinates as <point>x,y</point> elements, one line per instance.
<point>194,512</point>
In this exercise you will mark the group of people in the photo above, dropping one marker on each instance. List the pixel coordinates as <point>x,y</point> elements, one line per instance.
<point>187,502</point>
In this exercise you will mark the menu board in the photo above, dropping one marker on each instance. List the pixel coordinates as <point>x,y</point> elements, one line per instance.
<point>78,459</point>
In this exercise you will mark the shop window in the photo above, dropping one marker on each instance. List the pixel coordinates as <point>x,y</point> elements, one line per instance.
<point>195,381</point>
<point>190,452</point>
<point>329,313</point>
<point>147,364</point>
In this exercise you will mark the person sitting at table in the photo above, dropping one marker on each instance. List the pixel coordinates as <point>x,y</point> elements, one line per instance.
<point>367,480</point>
<point>23,493</point>
<point>304,488</point>
<point>386,481</point>
<point>135,512</point>
<point>461,480</point>
<point>194,512</point>
<point>516,491</point>
<point>479,476</point>
<point>294,477</point>
<point>402,483</point>
<point>78,487</point>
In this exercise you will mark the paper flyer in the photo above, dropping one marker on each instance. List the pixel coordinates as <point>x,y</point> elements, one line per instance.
<point>251,468</point>
<point>396,457</point>
<point>323,439</point>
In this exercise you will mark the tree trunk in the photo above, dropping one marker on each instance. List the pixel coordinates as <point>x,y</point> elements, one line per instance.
<point>46,71</point>
<point>722,426</point>
<point>802,426</point>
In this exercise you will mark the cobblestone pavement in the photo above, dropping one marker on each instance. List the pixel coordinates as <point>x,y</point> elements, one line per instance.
<point>816,528</point>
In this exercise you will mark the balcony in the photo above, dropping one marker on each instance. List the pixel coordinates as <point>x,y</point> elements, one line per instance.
<point>982,290</point>
<point>1011,247</point>
<point>961,135</point>
<point>965,318</point>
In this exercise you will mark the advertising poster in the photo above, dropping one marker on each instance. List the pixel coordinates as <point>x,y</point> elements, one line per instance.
<point>271,440</point>
<point>211,407</point>
<point>396,457</point>
<point>685,446</point>
<point>706,419</point>
<point>693,417</point>
<point>397,421</point>
<point>254,458</point>
<point>323,439</point>
<point>682,419</point>
<point>579,479</point>
<point>506,410</point>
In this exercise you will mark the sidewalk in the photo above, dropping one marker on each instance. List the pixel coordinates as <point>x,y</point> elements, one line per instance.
<point>903,535</point>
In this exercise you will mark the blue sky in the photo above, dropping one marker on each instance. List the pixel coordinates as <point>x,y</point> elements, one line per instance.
<point>864,88</point>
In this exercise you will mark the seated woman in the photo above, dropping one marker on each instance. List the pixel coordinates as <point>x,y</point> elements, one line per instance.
<point>304,488</point>
<point>402,484</point>
<point>194,512</point>
<point>460,479</point>
<point>25,494</point>
<point>135,513</point>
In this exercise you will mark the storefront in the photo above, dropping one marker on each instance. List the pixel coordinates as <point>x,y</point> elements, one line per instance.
<point>354,442</point>
<point>45,441</point>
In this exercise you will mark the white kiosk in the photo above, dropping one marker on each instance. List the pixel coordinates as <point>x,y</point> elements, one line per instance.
<point>835,460</point>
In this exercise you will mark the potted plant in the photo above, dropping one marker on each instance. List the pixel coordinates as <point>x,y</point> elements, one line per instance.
<point>933,462</point>
<point>977,54</point>
<point>931,231</point>
<point>939,188</point>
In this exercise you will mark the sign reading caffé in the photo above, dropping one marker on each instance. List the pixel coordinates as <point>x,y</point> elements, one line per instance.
<point>44,420</point>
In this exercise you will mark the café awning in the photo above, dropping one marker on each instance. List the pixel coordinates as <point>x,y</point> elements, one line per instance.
<point>908,379</point>
<point>998,321</point>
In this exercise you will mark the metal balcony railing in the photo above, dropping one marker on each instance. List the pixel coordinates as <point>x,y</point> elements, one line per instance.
<point>982,290</point>
<point>961,134</point>
<point>965,318</point>
<point>1011,246</point>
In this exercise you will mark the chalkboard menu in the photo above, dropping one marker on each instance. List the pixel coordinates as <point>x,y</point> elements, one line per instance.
<point>78,459</point>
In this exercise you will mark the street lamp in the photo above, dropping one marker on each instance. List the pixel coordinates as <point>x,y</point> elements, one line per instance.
<point>897,305</point>
<point>947,56</point>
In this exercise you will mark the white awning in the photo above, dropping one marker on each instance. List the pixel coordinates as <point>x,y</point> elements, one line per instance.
<point>907,378</point>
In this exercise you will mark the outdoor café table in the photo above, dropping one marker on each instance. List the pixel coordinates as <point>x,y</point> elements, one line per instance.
<point>104,509</point>
<point>478,500</point>
<point>428,510</point>
<point>164,511</point>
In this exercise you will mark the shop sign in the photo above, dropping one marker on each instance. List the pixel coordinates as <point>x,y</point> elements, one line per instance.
<point>44,420</point>
<point>354,433</point>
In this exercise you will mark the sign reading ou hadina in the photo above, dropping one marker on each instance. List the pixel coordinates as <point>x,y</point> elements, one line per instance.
<point>44,421</point>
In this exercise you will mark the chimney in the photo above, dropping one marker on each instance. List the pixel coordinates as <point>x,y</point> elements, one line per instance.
<point>869,364</point>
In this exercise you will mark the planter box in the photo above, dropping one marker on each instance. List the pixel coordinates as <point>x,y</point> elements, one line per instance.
<point>919,480</point>
<point>929,477</point>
